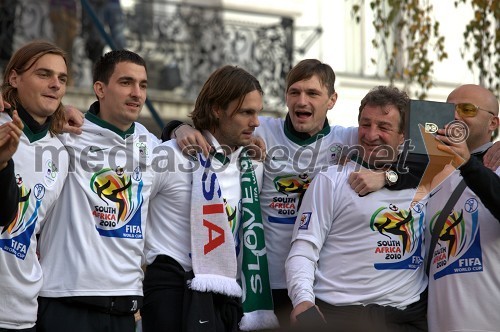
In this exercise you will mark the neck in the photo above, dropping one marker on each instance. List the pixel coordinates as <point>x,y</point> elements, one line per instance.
<point>474,145</point>
<point>35,124</point>
<point>481,148</point>
<point>228,149</point>
<point>299,134</point>
<point>120,126</point>
<point>95,109</point>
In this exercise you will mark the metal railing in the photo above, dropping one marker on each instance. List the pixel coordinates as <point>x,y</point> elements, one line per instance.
<point>182,44</point>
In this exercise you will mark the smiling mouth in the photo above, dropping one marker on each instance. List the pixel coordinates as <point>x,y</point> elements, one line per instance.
<point>303,115</point>
<point>135,105</point>
<point>371,146</point>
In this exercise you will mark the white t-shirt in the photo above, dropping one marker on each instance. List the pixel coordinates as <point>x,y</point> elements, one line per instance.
<point>169,231</point>
<point>40,177</point>
<point>94,240</point>
<point>464,277</point>
<point>290,166</point>
<point>369,250</point>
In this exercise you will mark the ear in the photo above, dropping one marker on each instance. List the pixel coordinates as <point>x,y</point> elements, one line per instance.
<point>99,89</point>
<point>332,100</point>
<point>401,138</point>
<point>216,110</point>
<point>13,78</point>
<point>494,122</point>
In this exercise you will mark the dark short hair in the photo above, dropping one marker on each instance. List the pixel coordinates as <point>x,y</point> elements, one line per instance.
<point>307,68</point>
<point>105,66</point>
<point>224,85</point>
<point>385,96</point>
<point>21,61</point>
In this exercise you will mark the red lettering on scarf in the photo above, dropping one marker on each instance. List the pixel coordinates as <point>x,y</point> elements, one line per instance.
<point>212,242</point>
<point>213,208</point>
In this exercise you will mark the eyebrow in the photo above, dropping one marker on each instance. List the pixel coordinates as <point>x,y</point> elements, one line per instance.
<point>130,78</point>
<point>306,90</point>
<point>384,123</point>
<point>251,109</point>
<point>50,71</point>
<point>378,123</point>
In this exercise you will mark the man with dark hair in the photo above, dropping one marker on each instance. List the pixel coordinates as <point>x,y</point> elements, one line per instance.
<point>358,259</point>
<point>91,249</point>
<point>204,203</point>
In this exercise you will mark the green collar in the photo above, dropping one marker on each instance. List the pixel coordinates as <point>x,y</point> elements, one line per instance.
<point>33,137</point>
<point>32,129</point>
<point>92,116</point>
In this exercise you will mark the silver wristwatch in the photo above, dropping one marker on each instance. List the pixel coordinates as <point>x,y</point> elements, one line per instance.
<point>391,177</point>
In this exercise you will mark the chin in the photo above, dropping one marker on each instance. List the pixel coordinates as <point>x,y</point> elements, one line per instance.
<point>244,143</point>
<point>298,126</point>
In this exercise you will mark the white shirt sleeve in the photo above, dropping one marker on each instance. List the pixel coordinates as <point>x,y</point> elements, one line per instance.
<point>300,267</point>
<point>310,231</point>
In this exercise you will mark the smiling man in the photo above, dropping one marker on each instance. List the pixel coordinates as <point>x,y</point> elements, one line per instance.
<point>359,259</point>
<point>91,249</point>
<point>34,85</point>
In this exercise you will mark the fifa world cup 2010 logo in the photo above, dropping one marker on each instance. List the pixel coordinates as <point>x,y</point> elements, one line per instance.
<point>293,184</point>
<point>19,224</point>
<point>114,186</point>
<point>395,222</point>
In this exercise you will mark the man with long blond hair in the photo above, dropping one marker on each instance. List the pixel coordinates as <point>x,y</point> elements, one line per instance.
<point>34,85</point>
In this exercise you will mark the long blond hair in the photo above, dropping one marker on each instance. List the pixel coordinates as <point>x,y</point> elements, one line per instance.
<point>22,60</point>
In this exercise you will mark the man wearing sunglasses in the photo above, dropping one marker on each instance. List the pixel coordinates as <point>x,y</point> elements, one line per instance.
<point>464,276</point>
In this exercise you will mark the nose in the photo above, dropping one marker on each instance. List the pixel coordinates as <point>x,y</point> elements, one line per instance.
<point>255,121</point>
<point>136,90</point>
<point>55,82</point>
<point>372,134</point>
<point>457,116</point>
<point>302,100</point>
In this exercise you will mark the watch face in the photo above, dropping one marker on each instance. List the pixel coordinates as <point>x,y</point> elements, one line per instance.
<point>392,177</point>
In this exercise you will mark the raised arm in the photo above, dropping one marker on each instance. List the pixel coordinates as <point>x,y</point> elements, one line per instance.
<point>480,179</point>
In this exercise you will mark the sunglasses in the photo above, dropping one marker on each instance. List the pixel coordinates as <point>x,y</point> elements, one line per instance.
<point>468,110</point>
